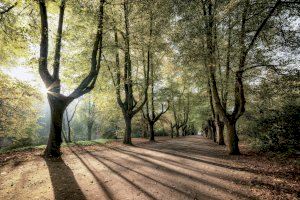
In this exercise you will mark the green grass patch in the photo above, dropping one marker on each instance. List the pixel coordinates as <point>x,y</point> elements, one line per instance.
<point>36,147</point>
<point>18,149</point>
<point>90,142</point>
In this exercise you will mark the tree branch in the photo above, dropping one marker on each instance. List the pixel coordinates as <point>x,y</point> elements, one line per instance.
<point>89,82</point>
<point>5,10</point>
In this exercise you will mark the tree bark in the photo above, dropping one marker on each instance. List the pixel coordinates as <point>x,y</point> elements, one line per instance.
<point>69,133</point>
<point>57,108</point>
<point>233,139</point>
<point>127,136</point>
<point>57,101</point>
<point>219,131</point>
<point>151,128</point>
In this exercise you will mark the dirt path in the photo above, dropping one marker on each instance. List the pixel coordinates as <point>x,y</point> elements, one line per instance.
<point>184,168</point>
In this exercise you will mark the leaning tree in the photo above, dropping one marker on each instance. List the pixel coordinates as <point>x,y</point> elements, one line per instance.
<point>57,101</point>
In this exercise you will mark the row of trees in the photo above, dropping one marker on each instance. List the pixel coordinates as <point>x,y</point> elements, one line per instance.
<point>183,64</point>
<point>248,28</point>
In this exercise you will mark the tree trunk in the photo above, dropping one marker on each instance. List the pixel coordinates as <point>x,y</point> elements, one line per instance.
<point>209,132</point>
<point>69,133</point>
<point>57,107</point>
<point>151,129</point>
<point>213,127</point>
<point>220,132</point>
<point>177,131</point>
<point>127,136</point>
<point>89,133</point>
<point>233,139</point>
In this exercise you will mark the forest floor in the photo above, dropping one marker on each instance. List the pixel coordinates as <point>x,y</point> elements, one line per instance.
<point>183,168</point>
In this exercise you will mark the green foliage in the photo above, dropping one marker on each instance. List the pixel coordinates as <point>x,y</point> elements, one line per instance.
<point>278,131</point>
<point>273,122</point>
<point>19,114</point>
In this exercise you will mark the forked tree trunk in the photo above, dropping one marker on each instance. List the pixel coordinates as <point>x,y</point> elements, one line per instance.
<point>127,136</point>
<point>233,139</point>
<point>57,108</point>
<point>151,128</point>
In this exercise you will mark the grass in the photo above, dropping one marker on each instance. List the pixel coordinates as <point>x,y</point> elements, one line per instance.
<point>17,149</point>
<point>36,147</point>
<point>89,142</point>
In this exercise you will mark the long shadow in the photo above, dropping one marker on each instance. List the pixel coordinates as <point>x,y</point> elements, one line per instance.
<point>63,181</point>
<point>97,157</point>
<point>192,158</point>
<point>187,167</point>
<point>102,186</point>
<point>243,169</point>
<point>183,175</point>
<point>121,176</point>
<point>287,189</point>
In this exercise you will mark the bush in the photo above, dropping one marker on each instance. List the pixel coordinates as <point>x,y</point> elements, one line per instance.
<point>277,131</point>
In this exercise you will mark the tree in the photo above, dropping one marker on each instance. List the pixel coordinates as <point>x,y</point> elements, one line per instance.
<point>57,101</point>
<point>130,107</point>
<point>239,106</point>
<point>91,114</point>
<point>181,111</point>
<point>68,118</point>
<point>151,116</point>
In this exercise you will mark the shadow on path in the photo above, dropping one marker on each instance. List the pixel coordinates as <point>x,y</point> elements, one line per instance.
<point>63,181</point>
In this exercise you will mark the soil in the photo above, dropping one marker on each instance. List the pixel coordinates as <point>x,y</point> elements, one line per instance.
<point>183,168</point>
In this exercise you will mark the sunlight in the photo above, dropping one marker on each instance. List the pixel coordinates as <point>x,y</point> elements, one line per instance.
<point>25,74</point>
<point>43,89</point>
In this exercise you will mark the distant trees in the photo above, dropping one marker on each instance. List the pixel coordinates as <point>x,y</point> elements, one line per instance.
<point>68,117</point>
<point>57,101</point>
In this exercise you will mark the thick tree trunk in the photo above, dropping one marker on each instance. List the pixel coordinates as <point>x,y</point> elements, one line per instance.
<point>151,129</point>
<point>127,136</point>
<point>57,108</point>
<point>233,139</point>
